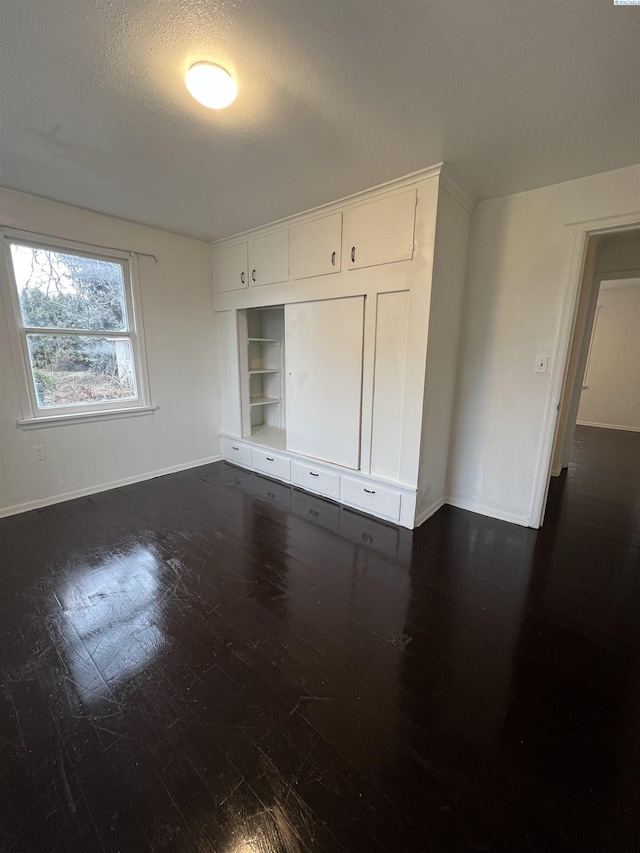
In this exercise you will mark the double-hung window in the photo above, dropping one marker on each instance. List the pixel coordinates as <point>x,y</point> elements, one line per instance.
<point>76,332</point>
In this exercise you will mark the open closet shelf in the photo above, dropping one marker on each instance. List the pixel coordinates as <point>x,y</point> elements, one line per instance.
<point>269,436</point>
<point>263,401</point>
<point>264,370</point>
<point>263,340</point>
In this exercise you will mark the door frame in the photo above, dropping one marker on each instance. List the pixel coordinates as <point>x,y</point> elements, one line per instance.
<point>581,231</point>
<point>572,392</point>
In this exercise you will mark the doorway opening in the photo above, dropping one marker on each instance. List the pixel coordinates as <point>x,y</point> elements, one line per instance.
<point>597,440</point>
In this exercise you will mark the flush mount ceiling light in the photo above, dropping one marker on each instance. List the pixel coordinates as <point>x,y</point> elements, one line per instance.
<point>211,85</point>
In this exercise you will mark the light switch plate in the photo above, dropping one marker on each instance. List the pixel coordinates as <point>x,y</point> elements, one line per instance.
<point>542,364</point>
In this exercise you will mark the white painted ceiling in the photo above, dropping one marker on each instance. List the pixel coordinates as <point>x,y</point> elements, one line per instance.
<point>335,96</point>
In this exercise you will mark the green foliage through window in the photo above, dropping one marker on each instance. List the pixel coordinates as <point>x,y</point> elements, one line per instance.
<point>67,295</point>
<point>61,291</point>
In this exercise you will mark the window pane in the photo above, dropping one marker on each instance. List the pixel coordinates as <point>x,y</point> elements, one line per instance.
<point>75,370</point>
<point>63,291</point>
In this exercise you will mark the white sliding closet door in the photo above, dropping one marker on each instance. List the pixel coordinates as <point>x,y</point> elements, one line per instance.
<point>323,342</point>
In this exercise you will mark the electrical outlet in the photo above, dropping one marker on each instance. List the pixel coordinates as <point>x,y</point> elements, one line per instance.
<point>39,453</point>
<point>542,364</point>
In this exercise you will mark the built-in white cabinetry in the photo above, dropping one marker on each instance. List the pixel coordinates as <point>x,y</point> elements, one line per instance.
<point>371,498</point>
<point>389,375</point>
<point>338,376</point>
<point>324,379</point>
<point>394,503</point>
<point>236,451</point>
<point>269,259</point>
<point>230,268</point>
<point>261,360</point>
<point>316,480</point>
<point>380,231</point>
<point>265,373</point>
<point>259,261</point>
<point>316,247</point>
<point>271,463</point>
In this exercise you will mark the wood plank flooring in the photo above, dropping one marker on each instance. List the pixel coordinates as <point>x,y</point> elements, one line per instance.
<point>212,661</point>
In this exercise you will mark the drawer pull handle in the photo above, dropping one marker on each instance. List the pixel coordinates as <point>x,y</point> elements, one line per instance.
<point>253,275</point>
<point>235,448</point>
<point>353,254</point>
<point>370,491</point>
<point>333,258</point>
<point>242,277</point>
<point>270,459</point>
<point>313,475</point>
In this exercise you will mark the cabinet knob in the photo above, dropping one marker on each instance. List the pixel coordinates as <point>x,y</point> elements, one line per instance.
<point>370,491</point>
<point>353,254</point>
<point>269,458</point>
<point>253,275</point>
<point>333,258</point>
<point>242,277</point>
<point>234,447</point>
<point>313,474</point>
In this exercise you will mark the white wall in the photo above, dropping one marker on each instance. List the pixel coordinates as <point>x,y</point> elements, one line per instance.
<point>612,395</point>
<point>177,305</point>
<point>518,274</point>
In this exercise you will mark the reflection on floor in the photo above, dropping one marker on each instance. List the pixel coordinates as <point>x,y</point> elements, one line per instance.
<point>212,661</point>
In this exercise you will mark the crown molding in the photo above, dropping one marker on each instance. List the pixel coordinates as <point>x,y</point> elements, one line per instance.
<point>457,189</point>
<point>325,209</point>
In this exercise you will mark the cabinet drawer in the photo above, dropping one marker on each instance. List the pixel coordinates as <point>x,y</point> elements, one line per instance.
<point>271,463</point>
<point>322,482</point>
<point>234,451</point>
<point>371,498</point>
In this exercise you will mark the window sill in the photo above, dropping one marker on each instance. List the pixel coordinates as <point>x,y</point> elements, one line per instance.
<point>84,417</point>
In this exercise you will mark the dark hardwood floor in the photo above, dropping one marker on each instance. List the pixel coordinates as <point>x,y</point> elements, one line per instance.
<point>215,662</point>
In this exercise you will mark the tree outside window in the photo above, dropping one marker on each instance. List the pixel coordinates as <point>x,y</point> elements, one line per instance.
<point>77,328</point>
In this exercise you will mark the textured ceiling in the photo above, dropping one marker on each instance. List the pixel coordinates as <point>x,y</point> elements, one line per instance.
<point>335,96</point>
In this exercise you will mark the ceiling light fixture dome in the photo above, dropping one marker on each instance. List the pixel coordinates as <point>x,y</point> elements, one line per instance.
<point>211,85</point>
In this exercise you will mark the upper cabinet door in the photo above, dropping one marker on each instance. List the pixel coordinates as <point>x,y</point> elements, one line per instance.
<point>269,259</point>
<point>230,268</point>
<point>316,247</point>
<point>380,232</point>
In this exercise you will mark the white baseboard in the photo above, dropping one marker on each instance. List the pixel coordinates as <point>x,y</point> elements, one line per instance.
<point>481,509</point>
<point>555,472</point>
<point>104,487</point>
<point>429,511</point>
<point>608,426</point>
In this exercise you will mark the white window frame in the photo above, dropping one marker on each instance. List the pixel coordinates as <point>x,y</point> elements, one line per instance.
<point>32,415</point>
